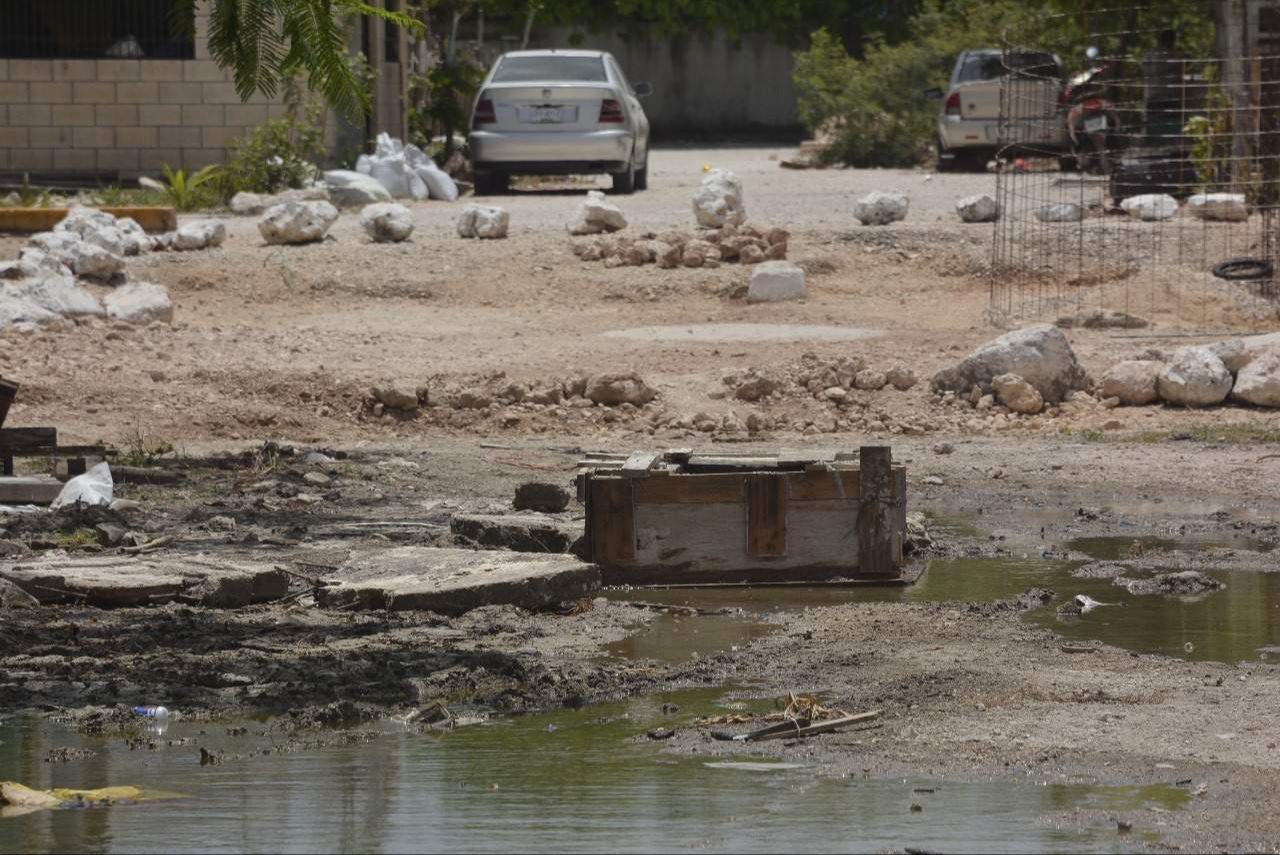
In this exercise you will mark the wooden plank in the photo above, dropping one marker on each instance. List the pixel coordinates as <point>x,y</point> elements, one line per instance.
<point>29,490</point>
<point>803,728</point>
<point>879,550</point>
<point>689,489</point>
<point>612,520</point>
<point>766,515</point>
<point>27,220</point>
<point>729,462</point>
<point>13,440</point>
<point>639,464</point>
<point>825,485</point>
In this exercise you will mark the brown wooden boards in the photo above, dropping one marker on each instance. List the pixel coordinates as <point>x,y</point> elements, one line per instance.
<point>25,439</point>
<point>612,520</point>
<point>766,515</point>
<point>879,544</point>
<point>25,220</point>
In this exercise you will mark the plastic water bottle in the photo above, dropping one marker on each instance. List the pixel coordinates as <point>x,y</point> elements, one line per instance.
<point>157,713</point>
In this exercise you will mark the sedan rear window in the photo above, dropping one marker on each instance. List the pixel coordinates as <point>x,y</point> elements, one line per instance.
<point>533,69</point>
<point>993,66</point>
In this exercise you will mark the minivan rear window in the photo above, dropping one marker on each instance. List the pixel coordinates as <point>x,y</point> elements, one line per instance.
<point>536,69</point>
<point>993,66</point>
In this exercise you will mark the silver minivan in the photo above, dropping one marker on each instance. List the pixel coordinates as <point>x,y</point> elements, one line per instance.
<point>559,112</point>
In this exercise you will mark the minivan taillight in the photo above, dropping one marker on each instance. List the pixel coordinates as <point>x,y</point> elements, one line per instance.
<point>484,113</point>
<point>953,105</point>
<point>611,111</point>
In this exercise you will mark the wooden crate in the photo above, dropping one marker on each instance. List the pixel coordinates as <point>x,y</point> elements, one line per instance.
<point>681,518</point>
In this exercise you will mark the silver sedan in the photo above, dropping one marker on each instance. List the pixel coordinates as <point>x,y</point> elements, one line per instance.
<point>559,112</point>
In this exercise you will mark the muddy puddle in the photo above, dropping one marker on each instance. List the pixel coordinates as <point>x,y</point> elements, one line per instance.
<point>1238,623</point>
<point>584,780</point>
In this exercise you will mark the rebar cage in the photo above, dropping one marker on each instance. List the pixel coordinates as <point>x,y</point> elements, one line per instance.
<point>1138,173</point>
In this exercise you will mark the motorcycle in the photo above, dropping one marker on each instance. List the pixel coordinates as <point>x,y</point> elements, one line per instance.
<point>1092,119</point>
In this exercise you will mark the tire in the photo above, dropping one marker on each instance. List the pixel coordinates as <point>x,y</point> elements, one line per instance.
<point>492,183</point>
<point>642,175</point>
<point>624,183</point>
<point>953,163</point>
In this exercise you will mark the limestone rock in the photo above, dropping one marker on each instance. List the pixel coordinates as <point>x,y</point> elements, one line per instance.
<point>1234,353</point>
<point>252,204</point>
<point>881,208</point>
<point>1259,382</point>
<point>202,234</point>
<point>297,222</point>
<point>1194,377</point>
<point>1039,354</point>
<point>483,221</point>
<point>398,396</point>
<point>1223,207</point>
<point>1133,381</point>
<point>387,222</point>
<point>18,310</point>
<point>140,302</point>
<point>1017,394</point>
<point>1063,212</point>
<point>1150,206</point>
<point>596,214</point>
<point>614,389</point>
<point>718,200</point>
<point>91,260</point>
<point>901,377</point>
<point>772,281</point>
<point>540,496</point>
<point>978,209</point>
<point>58,294</point>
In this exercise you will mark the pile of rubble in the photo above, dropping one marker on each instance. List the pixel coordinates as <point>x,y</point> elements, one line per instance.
<point>492,393</point>
<point>746,244</point>
<point>45,283</point>
<point>1197,376</point>
<point>831,380</point>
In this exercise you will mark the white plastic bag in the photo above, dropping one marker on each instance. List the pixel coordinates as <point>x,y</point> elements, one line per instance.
<point>92,488</point>
<point>364,164</point>
<point>439,184</point>
<point>418,187</point>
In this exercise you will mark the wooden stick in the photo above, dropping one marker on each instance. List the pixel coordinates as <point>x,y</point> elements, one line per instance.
<point>793,728</point>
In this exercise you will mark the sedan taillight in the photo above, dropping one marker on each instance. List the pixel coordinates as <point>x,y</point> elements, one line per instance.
<point>484,113</point>
<point>611,111</point>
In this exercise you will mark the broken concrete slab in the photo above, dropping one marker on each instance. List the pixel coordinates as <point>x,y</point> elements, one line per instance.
<point>29,489</point>
<point>123,582</point>
<point>518,532</point>
<point>454,581</point>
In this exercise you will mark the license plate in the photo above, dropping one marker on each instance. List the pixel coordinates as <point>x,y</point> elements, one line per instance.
<point>546,114</point>
<point>1095,125</point>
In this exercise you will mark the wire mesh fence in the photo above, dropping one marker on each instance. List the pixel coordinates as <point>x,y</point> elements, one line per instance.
<point>1139,180</point>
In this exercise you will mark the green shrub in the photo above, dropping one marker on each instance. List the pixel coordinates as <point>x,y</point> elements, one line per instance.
<point>275,156</point>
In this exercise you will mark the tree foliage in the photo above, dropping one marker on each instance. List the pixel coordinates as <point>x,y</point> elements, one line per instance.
<point>264,42</point>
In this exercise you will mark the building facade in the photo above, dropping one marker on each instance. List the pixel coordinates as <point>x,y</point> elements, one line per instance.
<point>109,91</point>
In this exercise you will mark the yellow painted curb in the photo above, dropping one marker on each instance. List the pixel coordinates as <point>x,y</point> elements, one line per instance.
<point>29,220</point>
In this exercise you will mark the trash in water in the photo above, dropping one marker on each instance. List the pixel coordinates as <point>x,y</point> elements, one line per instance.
<point>1087,603</point>
<point>17,799</point>
<point>754,767</point>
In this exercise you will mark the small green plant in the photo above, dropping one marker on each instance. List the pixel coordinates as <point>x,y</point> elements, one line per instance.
<point>276,155</point>
<point>139,449</point>
<point>33,197</point>
<point>115,196</point>
<point>188,192</point>
<point>74,540</point>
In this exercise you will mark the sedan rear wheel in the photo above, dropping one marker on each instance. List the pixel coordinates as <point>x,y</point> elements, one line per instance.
<point>625,182</point>
<point>642,175</point>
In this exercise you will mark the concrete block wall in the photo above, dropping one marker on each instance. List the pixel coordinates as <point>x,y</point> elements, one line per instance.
<point>116,119</point>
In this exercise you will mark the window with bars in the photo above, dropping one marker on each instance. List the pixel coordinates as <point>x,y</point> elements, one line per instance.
<point>100,29</point>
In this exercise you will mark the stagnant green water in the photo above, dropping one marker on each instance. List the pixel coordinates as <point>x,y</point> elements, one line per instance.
<point>1236,624</point>
<point>583,780</point>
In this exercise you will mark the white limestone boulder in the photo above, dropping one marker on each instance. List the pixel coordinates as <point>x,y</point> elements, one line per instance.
<point>718,200</point>
<point>880,208</point>
<point>202,234</point>
<point>1258,382</point>
<point>387,222</point>
<point>1040,355</point>
<point>596,214</point>
<point>1017,394</point>
<point>1194,377</point>
<point>57,294</point>
<point>139,303</point>
<point>295,222</point>
<point>774,281</point>
<point>1133,381</point>
<point>1150,207</point>
<point>349,189</point>
<point>1062,212</point>
<point>483,221</point>
<point>1219,207</point>
<point>978,209</point>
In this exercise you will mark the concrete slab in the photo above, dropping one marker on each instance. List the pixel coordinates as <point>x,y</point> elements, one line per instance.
<point>518,532</point>
<point>29,489</point>
<point>120,582</point>
<point>454,581</point>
